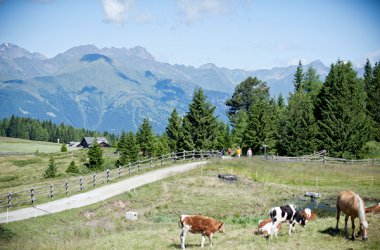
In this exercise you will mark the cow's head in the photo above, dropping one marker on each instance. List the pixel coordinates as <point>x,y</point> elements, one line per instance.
<point>221,227</point>
<point>300,219</point>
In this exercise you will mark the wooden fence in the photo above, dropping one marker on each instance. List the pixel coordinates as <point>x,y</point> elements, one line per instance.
<point>59,189</point>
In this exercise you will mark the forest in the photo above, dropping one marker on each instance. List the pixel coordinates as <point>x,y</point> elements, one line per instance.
<point>340,114</point>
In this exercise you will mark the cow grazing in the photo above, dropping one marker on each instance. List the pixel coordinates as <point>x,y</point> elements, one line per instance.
<point>374,209</point>
<point>286,213</point>
<point>265,227</point>
<point>199,224</point>
<point>308,214</point>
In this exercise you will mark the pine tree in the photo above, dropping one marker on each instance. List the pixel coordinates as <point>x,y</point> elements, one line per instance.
<point>122,149</point>
<point>145,138</point>
<point>261,127</point>
<point>173,130</point>
<point>161,145</point>
<point>63,148</point>
<point>298,77</point>
<point>200,122</point>
<point>312,84</point>
<point>132,148</point>
<point>341,112</point>
<point>297,134</point>
<point>185,140</point>
<point>72,168</point>
<point>95,155</point>
<point>240,125</point>
<point>244,96</point>
<point>372,87</point>
<point>51,171</point>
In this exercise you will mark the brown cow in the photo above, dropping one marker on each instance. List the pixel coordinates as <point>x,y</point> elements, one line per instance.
<point>308,214</point>
<point>199,224</point>
<point>374,209</point>
<point>265,227</point>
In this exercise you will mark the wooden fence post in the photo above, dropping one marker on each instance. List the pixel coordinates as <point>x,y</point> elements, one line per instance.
<point>184,155</point>
<point>138,165</point>
<point>94,180</point>
<point>67,187</point>
<point>32,195</point>
<point>193,154</point>
<point>129,168</point>
<point>9,199</point>
<point>151,162</point>
<point>108,174</point>
<point>51,190</point>
<point>119,171</point>
<point>172,154</point>
<point>201,154</point>
<point>162,160</point>
<point>81,183</point>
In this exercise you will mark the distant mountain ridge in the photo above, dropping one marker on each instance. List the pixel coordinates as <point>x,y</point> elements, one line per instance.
<point>112,89</point>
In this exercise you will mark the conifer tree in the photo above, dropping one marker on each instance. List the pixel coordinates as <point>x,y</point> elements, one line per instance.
<point>63,148</point>
<point>372,87</point>
<point>298,77</point>
<point>297,134</point>
<point>51,171</point>
<point>72,168</point>
<point>173,130</point>
<point>95,155</point>
<point>341,112</point>
<point>132,148</point>
<point>200,122</point>
<point>245,95</point>
<point>145,138</point>
<point>122,149</point>
<point>185,140</point>
<point>240,125</point>
<point>312,85</point>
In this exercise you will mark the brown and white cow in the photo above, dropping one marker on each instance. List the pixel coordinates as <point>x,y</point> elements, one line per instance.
<point>308,214</point>
<point>375,209</point>
<point>286,213</point>
<point>265,227</point>
<point>206,226</point>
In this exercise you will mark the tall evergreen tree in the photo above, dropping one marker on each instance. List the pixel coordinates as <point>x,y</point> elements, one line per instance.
<point>297,134</point>
<point>201,123</point>
<point>298,77</point>
<point>244,96</point>
<point>261,127</point>
<point>341,112</point>
<point>173,130</point>
<point>145,138</point>
<point>312,84</point>
<point>123,149</point>
<point>161,145</point>
<point>185,140</point>
<point>95,155</point>
<point>241,123</point>
<point>132,148</point>
<point>372,86</point>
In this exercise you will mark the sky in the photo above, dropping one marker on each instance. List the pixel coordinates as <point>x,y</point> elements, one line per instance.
<point>236,34</point>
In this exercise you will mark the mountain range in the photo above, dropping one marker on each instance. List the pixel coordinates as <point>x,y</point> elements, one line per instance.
<point>113,89</point>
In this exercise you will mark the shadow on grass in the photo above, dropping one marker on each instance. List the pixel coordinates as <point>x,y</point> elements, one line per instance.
<point>188,246</point>
<point>331,231</point>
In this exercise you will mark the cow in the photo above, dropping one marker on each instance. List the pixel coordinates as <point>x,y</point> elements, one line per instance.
<point>199,224</point>
<point>374,209</point>
<point>265,227</point>
<point>308,214</point>
<point>286,213</point>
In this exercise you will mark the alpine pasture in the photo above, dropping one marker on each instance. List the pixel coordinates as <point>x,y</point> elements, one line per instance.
<point>261,185</point>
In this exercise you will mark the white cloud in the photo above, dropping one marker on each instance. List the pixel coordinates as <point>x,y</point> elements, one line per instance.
<point>195,10</point>
<point>51,114</point>
<point>116,10</point>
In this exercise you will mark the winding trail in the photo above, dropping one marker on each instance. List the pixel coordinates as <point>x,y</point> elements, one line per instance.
<point>96,195</point>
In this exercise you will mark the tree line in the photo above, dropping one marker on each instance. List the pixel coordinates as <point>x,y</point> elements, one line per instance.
<point>340,115</point>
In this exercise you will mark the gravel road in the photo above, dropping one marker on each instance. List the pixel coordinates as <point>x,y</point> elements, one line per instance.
<point>96,195</point>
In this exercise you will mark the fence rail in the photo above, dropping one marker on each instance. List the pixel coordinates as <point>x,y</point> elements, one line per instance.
<point>67,187</point>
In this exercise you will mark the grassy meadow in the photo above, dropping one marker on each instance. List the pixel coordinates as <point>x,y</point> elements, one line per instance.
<point>240,205</point>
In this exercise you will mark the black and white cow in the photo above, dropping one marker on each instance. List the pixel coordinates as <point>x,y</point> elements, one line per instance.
<point>286,213</point>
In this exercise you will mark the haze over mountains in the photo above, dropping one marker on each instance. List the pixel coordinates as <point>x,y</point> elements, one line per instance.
<point>112,89</point>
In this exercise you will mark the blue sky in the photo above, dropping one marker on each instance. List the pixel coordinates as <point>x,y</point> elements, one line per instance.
<point>244,34</point>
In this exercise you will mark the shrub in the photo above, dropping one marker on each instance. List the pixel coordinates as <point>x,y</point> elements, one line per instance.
<point>51,171</point>
<point>64,148</point>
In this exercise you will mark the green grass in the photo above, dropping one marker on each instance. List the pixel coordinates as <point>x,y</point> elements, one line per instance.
<point>240,205</point>
<point>26,146</point>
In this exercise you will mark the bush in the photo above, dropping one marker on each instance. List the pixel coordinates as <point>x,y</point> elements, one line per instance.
<point>370,150</point>
<point>64,148</point>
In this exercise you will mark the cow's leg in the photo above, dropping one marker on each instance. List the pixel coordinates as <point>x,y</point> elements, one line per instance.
<point>183,237</point>
<point>337,217</point>
<point>203,241</point>
<point>290,228</point>
<point>353,227</point>
<point>210,238</point>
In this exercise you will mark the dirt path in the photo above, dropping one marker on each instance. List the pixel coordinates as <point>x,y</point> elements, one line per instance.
<point>96,195</point>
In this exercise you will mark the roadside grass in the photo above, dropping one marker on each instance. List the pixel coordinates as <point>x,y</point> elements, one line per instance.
<point>240,205</point>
